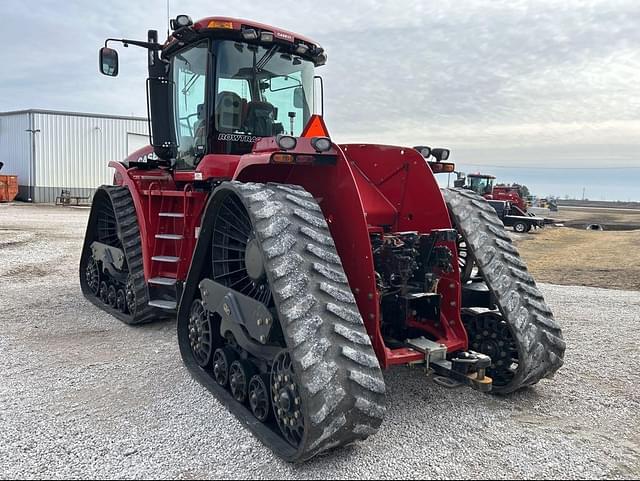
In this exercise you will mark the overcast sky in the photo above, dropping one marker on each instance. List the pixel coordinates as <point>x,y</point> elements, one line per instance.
<point>539,82</point>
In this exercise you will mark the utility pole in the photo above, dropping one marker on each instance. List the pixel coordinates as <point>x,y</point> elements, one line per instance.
<point>583,189</point>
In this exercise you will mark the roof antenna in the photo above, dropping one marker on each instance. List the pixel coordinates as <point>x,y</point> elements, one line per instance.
<point>168,19</point>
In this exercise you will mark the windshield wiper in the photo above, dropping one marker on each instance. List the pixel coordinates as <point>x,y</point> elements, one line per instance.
<point>264,60</point>
<point>190,83</point>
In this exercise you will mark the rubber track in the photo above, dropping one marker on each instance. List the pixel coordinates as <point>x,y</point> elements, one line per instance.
<point>342,388</point>
<point>538,336</point>
<point>129,235</point>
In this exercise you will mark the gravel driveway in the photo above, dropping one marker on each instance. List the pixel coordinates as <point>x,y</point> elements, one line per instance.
<point>82,395</point>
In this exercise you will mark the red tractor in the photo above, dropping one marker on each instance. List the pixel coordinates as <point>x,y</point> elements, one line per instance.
<point>483,184</point>
<point>298,269</point>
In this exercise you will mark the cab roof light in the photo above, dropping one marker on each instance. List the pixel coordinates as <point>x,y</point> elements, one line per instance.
<point>249,34</point>
<point>180,21</point>
<point>220,24</point>
<point>302,48</point>
<point>266,37</point>
<point>321,59</point>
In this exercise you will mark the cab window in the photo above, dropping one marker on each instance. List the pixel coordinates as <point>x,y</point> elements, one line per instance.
<point>190,79</point>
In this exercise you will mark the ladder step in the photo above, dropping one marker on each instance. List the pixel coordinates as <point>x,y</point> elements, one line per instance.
<point>170,236</point>
<point>165,259</point>
<point>168,305</point>
<point>175,215</point>
<point>163,281</point>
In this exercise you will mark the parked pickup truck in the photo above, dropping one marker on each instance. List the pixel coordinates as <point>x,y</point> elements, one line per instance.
<point>511,217</point>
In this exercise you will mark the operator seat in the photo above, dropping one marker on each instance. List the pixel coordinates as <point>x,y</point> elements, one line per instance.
<point>260,119</point>
<point>200,127</point>
<point>228,111</point>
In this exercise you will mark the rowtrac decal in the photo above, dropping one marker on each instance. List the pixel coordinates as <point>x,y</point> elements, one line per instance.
<point>238,138</point>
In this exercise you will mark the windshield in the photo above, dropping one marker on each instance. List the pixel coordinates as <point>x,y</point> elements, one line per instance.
<point>260,92</point>
<point>481,185</point>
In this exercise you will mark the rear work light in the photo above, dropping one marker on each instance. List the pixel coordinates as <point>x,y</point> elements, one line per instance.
<point>424,150</point>
<point>440,154</point>
<point>321,144</point>
<point>286,142</point>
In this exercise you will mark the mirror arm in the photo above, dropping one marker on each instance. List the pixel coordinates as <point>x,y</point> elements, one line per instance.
<point>137,43</point>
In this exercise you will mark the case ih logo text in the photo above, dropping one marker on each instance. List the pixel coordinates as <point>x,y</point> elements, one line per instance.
<point>284,36</point>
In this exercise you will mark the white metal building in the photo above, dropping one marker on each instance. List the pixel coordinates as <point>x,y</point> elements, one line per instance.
<point>50,151</point>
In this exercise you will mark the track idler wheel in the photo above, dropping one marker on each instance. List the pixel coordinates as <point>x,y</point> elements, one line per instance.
<point>112,296</point>
<point>104,292</point>
<point>286,399</point>
<point>259,398</point>
<point>200,335</point>
<point>130,296</point>
<point>222,360</point>
<point>240,373</point>
<point>92,276</point>
<point>121,301</point>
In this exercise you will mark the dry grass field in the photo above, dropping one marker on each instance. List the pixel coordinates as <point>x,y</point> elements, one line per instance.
<point>574,256</point>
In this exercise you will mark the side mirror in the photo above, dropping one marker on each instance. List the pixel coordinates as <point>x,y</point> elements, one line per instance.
<point>108,62</point>
<point>298,98</point>
<point>440,154</point>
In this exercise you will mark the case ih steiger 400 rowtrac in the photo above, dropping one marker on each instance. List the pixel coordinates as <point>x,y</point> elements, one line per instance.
<point>297,268</point>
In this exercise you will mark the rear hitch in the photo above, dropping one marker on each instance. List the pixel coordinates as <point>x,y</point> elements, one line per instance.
<point>468,367</point>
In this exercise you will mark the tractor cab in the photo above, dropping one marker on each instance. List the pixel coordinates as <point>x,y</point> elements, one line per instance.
<point>480,183</point>
<point>220,85</point>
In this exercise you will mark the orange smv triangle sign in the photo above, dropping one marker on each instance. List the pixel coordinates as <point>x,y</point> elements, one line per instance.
<point>315,127</point>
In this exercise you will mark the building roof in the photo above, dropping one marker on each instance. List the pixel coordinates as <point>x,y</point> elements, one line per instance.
<point>72,114</point>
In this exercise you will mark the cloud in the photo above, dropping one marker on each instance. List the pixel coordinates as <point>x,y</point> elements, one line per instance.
<point>478,77</point>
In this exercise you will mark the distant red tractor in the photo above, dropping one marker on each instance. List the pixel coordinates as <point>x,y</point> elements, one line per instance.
<point>483,184</point>
<point>299,268</point>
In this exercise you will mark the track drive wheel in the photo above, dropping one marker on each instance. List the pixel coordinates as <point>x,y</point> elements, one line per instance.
<point>200,333</point>
<point>534,347</point>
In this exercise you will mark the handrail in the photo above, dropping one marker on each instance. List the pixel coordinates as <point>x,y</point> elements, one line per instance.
<point>152,243</point>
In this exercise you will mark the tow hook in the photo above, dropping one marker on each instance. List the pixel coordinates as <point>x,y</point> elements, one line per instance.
<point>470,367</point>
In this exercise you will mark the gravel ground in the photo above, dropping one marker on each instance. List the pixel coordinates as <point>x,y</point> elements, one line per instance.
<point>82,395</point>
